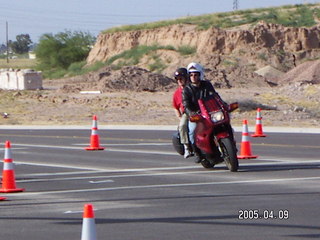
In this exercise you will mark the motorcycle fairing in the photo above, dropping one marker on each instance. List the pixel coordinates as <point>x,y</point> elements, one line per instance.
<point>205,128</point>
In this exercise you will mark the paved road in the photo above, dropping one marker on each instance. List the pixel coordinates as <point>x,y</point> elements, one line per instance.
<point>141,189</point>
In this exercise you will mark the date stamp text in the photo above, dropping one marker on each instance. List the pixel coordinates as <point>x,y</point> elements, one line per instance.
<point>253,214</point>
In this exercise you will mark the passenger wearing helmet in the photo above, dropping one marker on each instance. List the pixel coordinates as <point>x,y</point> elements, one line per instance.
<point>182,78</point>
<point>198,88</point>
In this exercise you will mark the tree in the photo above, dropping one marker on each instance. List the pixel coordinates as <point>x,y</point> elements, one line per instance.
<point>61,50</point>
<point>3,48</point>
<point>22,44</point>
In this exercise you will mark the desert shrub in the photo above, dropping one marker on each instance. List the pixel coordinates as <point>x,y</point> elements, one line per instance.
<point>263,56</point>
<point>157,65</point>
<point>187,50</point>
<point>54,74</point>
<point>94,67</point>
<point>133,56</point>
<point>77,67</point>
<point>230,63</point>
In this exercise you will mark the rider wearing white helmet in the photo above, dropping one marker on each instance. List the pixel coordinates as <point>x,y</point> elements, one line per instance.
<point>196,67</point>
<point>197,89</point>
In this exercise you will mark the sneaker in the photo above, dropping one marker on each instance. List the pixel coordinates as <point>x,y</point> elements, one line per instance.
<point>187,154</point>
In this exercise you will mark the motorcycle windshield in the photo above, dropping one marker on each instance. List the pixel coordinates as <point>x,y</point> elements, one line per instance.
<point>209,105</point>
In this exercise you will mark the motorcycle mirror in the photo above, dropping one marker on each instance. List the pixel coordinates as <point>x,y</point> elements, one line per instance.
<point>233,106</point>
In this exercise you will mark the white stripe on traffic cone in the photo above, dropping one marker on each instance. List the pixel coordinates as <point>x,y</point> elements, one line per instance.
<point>88,224</point>
<point>245,151</point>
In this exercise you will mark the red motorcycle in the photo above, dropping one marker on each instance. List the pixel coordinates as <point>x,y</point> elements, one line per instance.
<point>213,134</point>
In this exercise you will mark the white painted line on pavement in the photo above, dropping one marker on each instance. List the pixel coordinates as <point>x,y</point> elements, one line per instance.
<point>119,176</point>
<point>100,169</point>
<point>168,186</point>
<point>49,146</point>
<point>60,165</point>
<point>171,153</point>
<point>270,163</point>
<point>221,168</point>
<point>56,173</point>
<point>2,149</point>
<point>287,160</point>
<point>102,181</point>
<point>128,144</point>
<point>108,149</point>
<point>79,211</point>
<point>72,212</point>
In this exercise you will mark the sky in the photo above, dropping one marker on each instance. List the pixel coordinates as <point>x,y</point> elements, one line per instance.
<point>37,17</point>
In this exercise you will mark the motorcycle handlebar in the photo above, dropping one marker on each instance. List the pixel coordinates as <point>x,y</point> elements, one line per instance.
<point>196,117</point>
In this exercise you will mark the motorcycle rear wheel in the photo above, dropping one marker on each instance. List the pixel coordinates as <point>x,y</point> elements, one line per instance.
<point>177,144</point>
<point>229,154</point>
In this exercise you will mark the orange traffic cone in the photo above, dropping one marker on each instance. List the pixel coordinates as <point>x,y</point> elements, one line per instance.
<point>8,176</point>
<point>245,151</point>
<point>94,140</point>
<point>88,224</point>
<point>259,131</point>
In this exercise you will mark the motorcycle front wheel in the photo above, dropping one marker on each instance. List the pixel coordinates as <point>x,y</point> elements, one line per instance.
<point>229,154</point>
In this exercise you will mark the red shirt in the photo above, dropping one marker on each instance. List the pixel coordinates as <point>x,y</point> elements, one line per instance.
<point>177,100</point>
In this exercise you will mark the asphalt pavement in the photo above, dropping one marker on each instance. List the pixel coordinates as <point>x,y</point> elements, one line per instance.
<point>141,189</point>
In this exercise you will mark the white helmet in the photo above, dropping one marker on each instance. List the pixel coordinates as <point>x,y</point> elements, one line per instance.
<point>196,67</point>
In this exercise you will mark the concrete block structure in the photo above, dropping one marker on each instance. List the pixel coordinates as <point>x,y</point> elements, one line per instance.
<point>17,79</point>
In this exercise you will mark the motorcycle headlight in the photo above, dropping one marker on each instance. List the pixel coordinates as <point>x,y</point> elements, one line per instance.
<point>217,116</point>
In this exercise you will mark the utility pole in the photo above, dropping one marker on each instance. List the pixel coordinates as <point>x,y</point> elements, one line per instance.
<point>7,41</point>
<point>235,4</point>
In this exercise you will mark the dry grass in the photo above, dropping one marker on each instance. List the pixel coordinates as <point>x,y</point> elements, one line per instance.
<point>311,90</point>
<point>55,107</point>
<point>18,63</point>
<point>270,97</point>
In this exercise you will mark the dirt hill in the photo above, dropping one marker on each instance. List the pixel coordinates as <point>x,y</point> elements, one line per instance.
<point>308,72</point>
<point>230,56</point>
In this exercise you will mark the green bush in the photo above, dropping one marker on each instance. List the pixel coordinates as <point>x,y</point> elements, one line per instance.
<point>77,67</point>
<point>61,50</point>
<point>54,74</point>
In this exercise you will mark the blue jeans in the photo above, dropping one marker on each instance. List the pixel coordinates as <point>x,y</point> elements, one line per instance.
<point>192,128</point>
